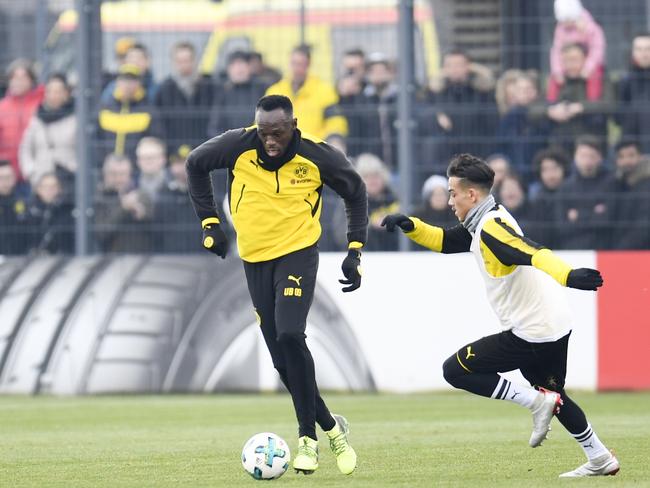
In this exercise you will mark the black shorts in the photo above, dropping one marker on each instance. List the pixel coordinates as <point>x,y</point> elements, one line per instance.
<point>282,291</point>
<point>541,363</point>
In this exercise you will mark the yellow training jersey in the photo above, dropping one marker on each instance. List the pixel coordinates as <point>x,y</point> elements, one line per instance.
<point>275,203</point>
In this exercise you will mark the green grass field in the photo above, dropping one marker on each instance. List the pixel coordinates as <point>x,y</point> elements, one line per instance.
<point>445,439</point>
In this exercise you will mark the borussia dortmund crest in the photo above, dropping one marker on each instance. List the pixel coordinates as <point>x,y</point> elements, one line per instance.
<point>301,171</point>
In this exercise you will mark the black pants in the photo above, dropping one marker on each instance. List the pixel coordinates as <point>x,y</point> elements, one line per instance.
<point>282,291</point>
<point>474,368</point>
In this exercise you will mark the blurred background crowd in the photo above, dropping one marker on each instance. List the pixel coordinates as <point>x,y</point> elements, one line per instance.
<point>567,136</point>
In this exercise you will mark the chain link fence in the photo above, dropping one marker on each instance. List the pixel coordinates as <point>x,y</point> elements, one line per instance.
<point>559,108</point>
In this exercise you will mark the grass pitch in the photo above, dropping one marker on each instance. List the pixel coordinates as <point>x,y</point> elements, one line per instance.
<point>444,439</point>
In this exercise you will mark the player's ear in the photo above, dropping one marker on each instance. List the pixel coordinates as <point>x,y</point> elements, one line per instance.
<point>295,122</point>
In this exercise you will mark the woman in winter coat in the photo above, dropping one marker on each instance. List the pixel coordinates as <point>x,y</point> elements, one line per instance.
<point>49,143</point>
<point>16,109</point>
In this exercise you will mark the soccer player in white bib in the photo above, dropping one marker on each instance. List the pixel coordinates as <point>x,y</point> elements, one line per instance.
<point>521,278</point>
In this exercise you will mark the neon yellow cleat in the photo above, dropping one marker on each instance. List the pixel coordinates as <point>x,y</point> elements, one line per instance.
<point>306,461</point>
<point>346,458</point>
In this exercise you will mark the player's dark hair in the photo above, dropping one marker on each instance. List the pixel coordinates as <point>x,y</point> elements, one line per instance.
<point>627,142</point>
<point>471,169</point>
<point>273,102</point>
<point>4,162</point>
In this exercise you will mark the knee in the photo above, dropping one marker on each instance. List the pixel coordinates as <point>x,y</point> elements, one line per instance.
<point>291,338</point>
<point>554,384</point>
<point>452,371</point>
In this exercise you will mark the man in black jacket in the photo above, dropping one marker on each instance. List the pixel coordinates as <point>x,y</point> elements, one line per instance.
<point>276,178</point>
<point>13,213</point>
<point>634,94</point>
<point>233,101</point>
<point>632,197</point>
<point>586,199</point>
<point>184,100</point>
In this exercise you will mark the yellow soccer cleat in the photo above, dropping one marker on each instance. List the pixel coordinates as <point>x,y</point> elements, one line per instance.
<point>346,458</point>
<point>306,460</point>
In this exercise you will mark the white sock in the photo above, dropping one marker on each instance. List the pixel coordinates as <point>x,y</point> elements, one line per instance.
<point>519,394</point>
<point>590,443</point>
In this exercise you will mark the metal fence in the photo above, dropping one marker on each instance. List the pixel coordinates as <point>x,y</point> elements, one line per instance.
<point>151,79</point>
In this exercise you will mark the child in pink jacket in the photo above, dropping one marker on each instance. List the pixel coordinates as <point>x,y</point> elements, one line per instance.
<point>576,25</point>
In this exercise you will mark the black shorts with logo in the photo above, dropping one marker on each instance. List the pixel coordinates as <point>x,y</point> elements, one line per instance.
<point>541,363</point>
<point>282,291</point>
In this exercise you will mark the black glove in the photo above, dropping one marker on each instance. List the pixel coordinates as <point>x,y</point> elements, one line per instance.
<point>584,279</point>
<point>351,268</point>
<point>214,240</point>
<point>399,220</point>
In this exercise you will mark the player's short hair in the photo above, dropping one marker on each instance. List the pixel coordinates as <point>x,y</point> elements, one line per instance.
<point>5,162</point>
<point>627,142</point>
<point>472,170</point>
<point>273,102</point>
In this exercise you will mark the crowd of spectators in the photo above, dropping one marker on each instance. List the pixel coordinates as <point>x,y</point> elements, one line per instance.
<point>568,148</point>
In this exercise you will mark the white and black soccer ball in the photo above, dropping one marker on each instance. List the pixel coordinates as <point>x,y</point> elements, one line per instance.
<point>266,456</point>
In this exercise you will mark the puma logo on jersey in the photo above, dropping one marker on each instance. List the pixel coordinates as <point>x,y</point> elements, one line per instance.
<point>470,354</point>
<point>297,280</point>
<point>254,163</point>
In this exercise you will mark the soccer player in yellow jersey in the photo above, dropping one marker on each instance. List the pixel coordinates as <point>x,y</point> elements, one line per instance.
<point>276,176</point>
<point>521,279</point>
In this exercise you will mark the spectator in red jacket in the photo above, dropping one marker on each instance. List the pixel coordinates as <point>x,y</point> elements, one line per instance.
<point>16,109</point>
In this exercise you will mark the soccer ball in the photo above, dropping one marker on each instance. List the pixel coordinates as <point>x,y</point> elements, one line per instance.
<point>265,456</point>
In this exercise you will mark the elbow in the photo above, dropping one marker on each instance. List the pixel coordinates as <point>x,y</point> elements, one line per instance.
<point>191,163</point>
